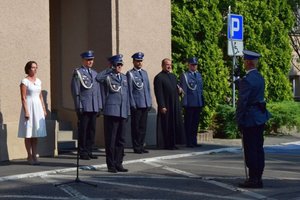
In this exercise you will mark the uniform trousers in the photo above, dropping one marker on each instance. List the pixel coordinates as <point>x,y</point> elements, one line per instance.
<point>191,123</point>
<point>138,127</point>
<point>253,140</point>
<point>86,132</point>
<point>114,133</point>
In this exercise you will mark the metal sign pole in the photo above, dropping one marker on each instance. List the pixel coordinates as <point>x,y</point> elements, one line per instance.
<point>233,58</point>
<point>233,83</point>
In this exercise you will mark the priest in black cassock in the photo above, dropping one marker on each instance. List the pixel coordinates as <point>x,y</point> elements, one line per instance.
<point>169,119</point>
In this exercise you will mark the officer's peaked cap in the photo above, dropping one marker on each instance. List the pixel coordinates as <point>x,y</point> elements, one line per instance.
<point>114,57</point>
<point>251,55</point>
<point>117,59</point>
<point>193,60</point>
<point>87,55</point>
<point>138,56</point>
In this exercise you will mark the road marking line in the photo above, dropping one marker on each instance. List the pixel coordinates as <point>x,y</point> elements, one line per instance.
<point>64,170</point>
<point>169,190</point>
<point>220,184</point>
<point>168,157</point>
<point>72,192</point>
<point>32,197</point>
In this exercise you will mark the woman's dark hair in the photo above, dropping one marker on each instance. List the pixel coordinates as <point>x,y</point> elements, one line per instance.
<point>28,66</point>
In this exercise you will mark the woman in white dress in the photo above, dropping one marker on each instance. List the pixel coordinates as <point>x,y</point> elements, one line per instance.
<point>32,119</point>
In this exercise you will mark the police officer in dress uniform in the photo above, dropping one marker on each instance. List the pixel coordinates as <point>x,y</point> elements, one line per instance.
<point>104,73</point>
<point>140,102</point>
<point>87,99</point>
<point>251,115</point>
<point>116,110</point>
<point>193,101</point>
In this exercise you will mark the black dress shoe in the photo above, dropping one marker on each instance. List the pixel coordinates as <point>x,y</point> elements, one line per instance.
<point>112,170</point>
<point>138,151</point>
<point>251,184</point>
<point>145,151</point>
<point>121,169</point>
<point>84,157</point>
<point>92,156</point>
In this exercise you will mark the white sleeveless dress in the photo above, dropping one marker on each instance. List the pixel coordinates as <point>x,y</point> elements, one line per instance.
<point>36,125</point>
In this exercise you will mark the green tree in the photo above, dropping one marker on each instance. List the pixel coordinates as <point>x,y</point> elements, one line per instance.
<point>197,26</point>
<point>266,30</point>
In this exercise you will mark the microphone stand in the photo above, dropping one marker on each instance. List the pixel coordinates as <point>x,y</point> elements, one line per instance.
<point>77,180</point>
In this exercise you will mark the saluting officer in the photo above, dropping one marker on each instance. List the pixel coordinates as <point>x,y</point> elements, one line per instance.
<point>140,102</point>
<point>87,99</point>
<point>193,101</point>
<point>109,68</point>
<point>251,115</point>
<point>104,73</point>
<point>116,110</point>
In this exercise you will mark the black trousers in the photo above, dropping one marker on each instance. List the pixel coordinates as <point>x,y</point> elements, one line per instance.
<point>253,139</point>
<point>86,132</point>
<point>114,133</point>
<point>138,127</point>
<point>191,123</point>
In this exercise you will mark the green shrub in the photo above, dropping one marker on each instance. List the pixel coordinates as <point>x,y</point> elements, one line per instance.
<point>224,125</point>
<point>284,114</point>
<point>199,28</point>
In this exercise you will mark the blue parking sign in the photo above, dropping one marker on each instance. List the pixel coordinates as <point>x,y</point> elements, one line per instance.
<point>235,27</point>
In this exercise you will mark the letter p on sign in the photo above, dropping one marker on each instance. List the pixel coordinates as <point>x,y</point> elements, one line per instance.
<point>235,27</point>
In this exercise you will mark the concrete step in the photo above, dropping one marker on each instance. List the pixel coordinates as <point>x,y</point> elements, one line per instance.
<point>64,135</point>
<point>65,146</point>
<point>65,141</point>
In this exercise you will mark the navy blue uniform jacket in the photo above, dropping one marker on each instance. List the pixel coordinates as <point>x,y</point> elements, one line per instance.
<point>251,91</point>
<point>86,99</point>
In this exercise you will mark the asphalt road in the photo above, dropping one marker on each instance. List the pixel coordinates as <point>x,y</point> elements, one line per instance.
<point>208,172</point>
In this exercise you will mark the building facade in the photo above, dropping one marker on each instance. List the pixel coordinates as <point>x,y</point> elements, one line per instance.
<point>54,33</point>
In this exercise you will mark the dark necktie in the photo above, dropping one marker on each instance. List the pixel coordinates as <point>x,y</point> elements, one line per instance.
<point>140,74</point>
<point>90,73</point>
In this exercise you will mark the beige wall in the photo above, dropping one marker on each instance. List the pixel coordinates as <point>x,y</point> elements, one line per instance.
<point>84,25</point>
<point>143,26</point>
<point>77,26</point>
<point>24,36</point>
<point>109,27</point>
<point>54,33</point>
